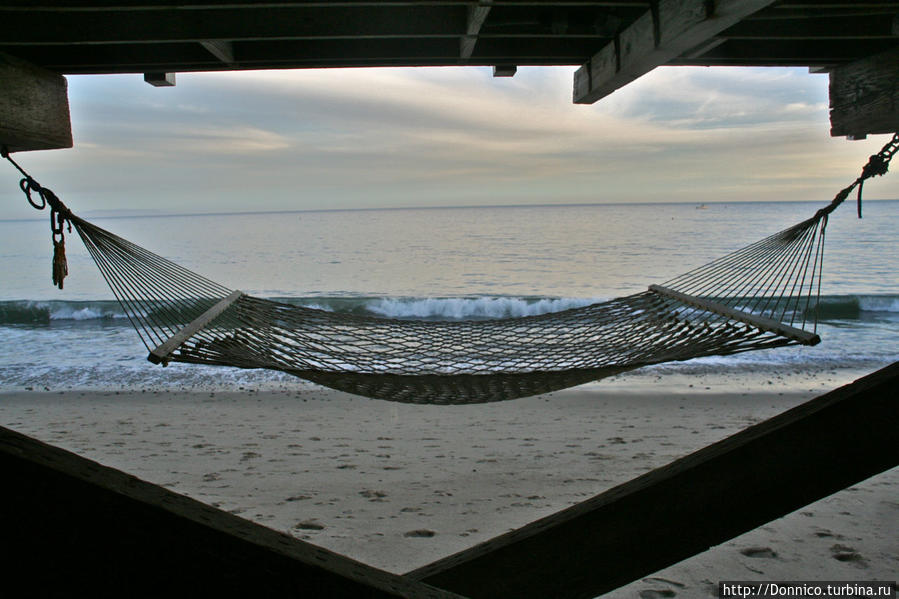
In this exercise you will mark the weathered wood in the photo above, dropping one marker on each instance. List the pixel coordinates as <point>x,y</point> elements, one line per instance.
<point>765,324</point>
<point>162,352</point>
<point>721,491</point>
<point>222,50</point>
<point>34,107</point>
<point>476,17</point>
<point>682,26</point>
<point>864,96</point>
<point>75,528</point>
<point>160,79</point>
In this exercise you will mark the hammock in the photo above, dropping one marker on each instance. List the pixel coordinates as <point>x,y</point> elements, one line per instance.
<point>762,296</point>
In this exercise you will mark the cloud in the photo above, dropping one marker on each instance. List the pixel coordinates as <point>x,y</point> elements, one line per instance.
<point>395,137</point>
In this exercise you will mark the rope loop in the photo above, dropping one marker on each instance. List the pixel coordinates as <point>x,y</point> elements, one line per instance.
<point>27,185</point>
<point>60,217</point>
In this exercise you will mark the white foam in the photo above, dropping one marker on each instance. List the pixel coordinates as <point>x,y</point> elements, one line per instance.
<point>472,308</point>
<point>878,303</point>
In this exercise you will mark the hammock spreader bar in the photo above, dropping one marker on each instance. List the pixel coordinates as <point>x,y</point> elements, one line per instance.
<point>160,354</point>
<point>764,324</point>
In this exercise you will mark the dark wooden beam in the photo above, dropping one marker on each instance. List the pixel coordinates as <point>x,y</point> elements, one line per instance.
<point>221,49</point>
<point>721,491</point>
<point>654,39</point>
<point>34,107</point>
<point>191,56</point>
<point>864,96</point>
<point>824,27</point>
<point>48,27</point>
<point>477,14</point>
<point>799,52</point>
<point>160,79</point>
<point>75,528</point>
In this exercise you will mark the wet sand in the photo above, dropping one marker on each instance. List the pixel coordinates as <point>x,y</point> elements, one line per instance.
<point>398,486</point>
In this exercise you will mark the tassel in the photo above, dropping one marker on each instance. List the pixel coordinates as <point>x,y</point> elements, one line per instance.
<point>60,266</point>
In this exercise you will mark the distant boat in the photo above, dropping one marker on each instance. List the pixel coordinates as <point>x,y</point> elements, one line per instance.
<point>701,207</point>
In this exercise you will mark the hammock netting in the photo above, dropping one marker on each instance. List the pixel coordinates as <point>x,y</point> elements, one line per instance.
<point>762,296</point>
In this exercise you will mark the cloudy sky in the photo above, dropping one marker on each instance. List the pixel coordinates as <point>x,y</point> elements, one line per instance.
<point>371,138</point>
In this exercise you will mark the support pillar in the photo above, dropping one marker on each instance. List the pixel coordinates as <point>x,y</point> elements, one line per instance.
<point>34,107</point>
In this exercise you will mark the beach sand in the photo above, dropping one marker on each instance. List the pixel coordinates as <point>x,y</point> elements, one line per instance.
<point>398,486</point>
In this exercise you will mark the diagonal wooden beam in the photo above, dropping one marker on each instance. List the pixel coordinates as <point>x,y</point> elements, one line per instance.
<point>477,14</point>
<point>726,489</point>
<point>223,50</point>
<point>671,28</point>
<point>93,531</point>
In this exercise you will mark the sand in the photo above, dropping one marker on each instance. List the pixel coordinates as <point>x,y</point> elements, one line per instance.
<point>397,486</point>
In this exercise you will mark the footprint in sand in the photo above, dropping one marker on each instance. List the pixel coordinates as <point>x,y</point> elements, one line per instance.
<point>759,552</point>
<point>309,525</point>
<point>849,555</point>
<point>420,533</point>
<point>373,495</point>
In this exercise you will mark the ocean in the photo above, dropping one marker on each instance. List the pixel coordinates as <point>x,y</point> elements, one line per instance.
<point>433,264</point>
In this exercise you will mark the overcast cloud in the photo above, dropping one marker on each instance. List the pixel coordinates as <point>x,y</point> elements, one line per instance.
<point>369,138</point>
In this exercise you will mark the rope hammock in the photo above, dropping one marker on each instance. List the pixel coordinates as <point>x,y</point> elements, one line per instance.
<point>762,296</point>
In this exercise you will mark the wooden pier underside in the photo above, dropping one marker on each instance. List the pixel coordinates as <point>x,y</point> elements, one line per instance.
<point>95,530</point>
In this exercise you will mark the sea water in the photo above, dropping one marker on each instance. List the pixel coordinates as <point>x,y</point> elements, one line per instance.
<point>432,264</point>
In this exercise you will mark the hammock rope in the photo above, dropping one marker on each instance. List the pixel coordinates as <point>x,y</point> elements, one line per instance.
<point>762,296</point>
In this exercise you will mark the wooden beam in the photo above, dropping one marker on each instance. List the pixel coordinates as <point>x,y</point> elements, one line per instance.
<point>75,528</point>
<point>651,41</point>
<point>765,324</point>
<point>222,50</point>
<point>864,96</point>
<point>34,107</point>
<point>477,14</point>
<point>726,489</point>
<point>161,354</point>
<point>165,23</point>
<point>160,79</point>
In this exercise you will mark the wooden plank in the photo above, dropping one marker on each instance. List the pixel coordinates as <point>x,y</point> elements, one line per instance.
<point>160,79</point>
<point>34,107</point>
<point>92,531</point>
<point>682,26</point>
<point>476,16</point>
<point>765,324</point>
<point>162,352</point>
<point>713,495</point>
<point>221,49</point>
<point>864,96</point>
<point>168,24</point>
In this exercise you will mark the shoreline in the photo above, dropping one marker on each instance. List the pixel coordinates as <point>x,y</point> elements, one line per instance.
<point>399,485</point>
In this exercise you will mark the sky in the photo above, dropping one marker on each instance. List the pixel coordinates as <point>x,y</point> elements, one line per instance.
<point>386,138</point>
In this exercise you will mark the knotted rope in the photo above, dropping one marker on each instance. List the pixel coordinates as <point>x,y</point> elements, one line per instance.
<point>877,166</point>
<point>60,217</point>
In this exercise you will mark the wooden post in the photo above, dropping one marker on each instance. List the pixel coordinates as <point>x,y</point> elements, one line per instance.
<point>160,79</point>
<point>713,495</point>
<point>34,107</point>
<point>864,96</point>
